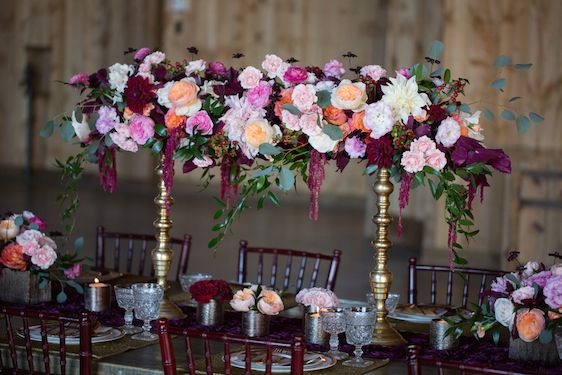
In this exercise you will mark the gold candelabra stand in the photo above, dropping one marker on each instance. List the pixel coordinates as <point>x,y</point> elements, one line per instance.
<point>162,254</point>
<point>380,277</point>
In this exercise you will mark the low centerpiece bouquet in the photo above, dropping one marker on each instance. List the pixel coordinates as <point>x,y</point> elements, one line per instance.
<point>314,300</point>
<point>26,247</point>
<point>317,298</point>
<point>210,296</point>
<point>257,304</point>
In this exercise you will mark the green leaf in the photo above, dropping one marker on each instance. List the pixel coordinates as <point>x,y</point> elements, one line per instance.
<point>18,220</point>
<point>451,108</point>
<point>67,131</point>
<point>523,66</point>
<point>79,243</point>
<point>514,99</point>
<point>523,124</point>
<point>43,283</point>
<point>496,337</point>
<point>161,130</point>
<point>108,141</point>
<point>465,108</point>
<point>503,61</point>
<point>273,198</point>
<point>370,169</point>
<point>508,115</point>
<point>93,147</point>
<point>61,297</point>
<point>447,76</point>
<point>34,226</point>
<point>324,98</point>
<point>263,172</point>
<point>435,50</point>
<point>432,187</point>
<point>333,131</point>
<point>535,117</point>
<point>260,202</point>
<point>286,179</point>
<point>291,108</point>
<point>488,115</point>
<point>218,213</point>
<point>269,149</point>
<point>76,286</point>
<point>157,147</point>
<point>218,227</point>
<point>499,84</point>
<point>215,241</point>
<point>545,336</point>
<point>48,129</point>
<point>220,202</point>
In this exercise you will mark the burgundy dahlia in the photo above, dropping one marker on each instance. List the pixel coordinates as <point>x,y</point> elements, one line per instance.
<point>139,92</point>
<point>380,152</point>
<point>436,113</point>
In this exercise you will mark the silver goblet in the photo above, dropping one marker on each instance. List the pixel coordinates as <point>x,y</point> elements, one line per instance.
<point>360,324</point>
<point>147,298</point>
<point>125,300</point>
<point>333,322</point>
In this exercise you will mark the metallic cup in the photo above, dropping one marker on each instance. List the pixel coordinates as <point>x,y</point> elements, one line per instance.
<point>97,298</point>
<point>313,332</point>
<point>255,324</point>
<point>437,339</point>
<point>210,314</point>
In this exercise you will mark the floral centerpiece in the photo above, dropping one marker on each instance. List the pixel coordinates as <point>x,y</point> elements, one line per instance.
<point>318,297</point>
<point>25,247</point>
<point>257,303</point>
<point>206,290</point>
<point>314,300</point>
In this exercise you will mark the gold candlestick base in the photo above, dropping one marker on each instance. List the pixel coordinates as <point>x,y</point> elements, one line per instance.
<point>381,278</point>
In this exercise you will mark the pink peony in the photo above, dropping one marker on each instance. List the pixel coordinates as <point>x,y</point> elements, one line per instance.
<point>424,144</point>
<point>540,279</point>
<point>141,128</point>
<point>44,257</point>
<point>379,119</point>
<point>412,161</point>
<point>405,72</point>
<point>73,272</point>
<point>79,79</point>
<point>295,74</point>
<point>355,147</point>
<point>334,68</point>
<point>448,132</point>
<point>107,119</point>
<point>318,297</point>
<point>250,77</point>
<point>303,97</point>
<point>553,292</point>
<point>200,122</point>
<point>142,53</point>
<point>243,300</point>
<point>269,303</point>
<point>29,241</point>
<point>203,163</point>
<point>309,124</point>
<point>216,67</point>
<point>122,138</point>
<point>258,97</point>
<point>521,294</point>
<point>291,121</point>
<point>271,65</point>
<point>374,72</point>
<point>499,285</point>
<point>436,159</point>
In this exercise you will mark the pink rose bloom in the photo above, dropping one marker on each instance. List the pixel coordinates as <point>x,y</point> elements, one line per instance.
<point>436,159</point>
<point>269,303</point>
<point>295,74</point>
<point>250,77</point>
<point>423,144</point>
<point>291,121</point>
<point>73,272</point>
<point>303,97</point>
<point>142,53</point>
<point>318,297</point>
<point>412,161</point>
<point>521,294</point>
<point>29,241</point>
<point>334,68</point>
<point>258,97</point>
<point>271,65</point>
<point>107,119</point>
<point>404,72</point>
<point>122,138</point>
<point>355,147</point>
<point>375,72</point>
<point>531,267</point>
<point>142,128</point>
<point>540,279</point>
<point>449,132</point>
<point>39,222</point>
<point>203,163</point>
<point>216,67</point>
<point>243,300</point>
<point>79,79</point>
<point>201,122</point>
<point>553,292</point>
<point>499,285</point>
<point>309,124</point>
<point>27,215</point>
<point>44,257</point>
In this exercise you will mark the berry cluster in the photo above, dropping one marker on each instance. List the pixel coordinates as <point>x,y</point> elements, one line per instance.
<point>402,136</point>
<point>220,144</point>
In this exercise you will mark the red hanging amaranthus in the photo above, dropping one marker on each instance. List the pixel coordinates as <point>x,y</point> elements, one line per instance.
<point>452,238</point>
<point>107,169</point>
<point>316,176</point>
<point>168,163</point>
<point>403,198</point>
<point>228,188</point>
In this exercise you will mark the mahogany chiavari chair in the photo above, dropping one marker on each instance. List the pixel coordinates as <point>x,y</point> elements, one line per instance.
<point>145,243</point>
<point>189,335</point>
<point>317,258</point>
<point>485,277</point>
<point>27,365</point>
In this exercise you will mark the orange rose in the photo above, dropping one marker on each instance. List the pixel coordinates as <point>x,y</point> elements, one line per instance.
<point>183,94</point>
<point>285,99</point>
<point>357,122</point>
<point>530,324</point>
<point>258,132</point>
<point>334,115</point>
<point>172,120</point>
<point>554,315</point>
<point>12,257</point>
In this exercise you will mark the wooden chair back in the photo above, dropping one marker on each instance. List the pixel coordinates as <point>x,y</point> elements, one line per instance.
<point>140,245</point>
<point>12,316</point>
<point>295,346</point>
<point>303,257</point>
<point>483,275</point>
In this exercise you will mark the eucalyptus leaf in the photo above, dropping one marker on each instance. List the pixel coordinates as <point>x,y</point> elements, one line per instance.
<point>451,108</point>
<point>34,226</point>
<point>108,141</point>
<point>161,130</point>
<point>18,220</point>
<point>499,84</point>
<point>523,66</point>
<point>269,149</point>
<point>43,283</point>
<point>157,147</point>
<point>61,297</point>
<point>546,336</point>
<point>93,147</point>
<point>324,98</point>
<point>48,129</point>
<point>292,109</point>
<point>535,117</point>
<point>370,169</point>
<point>286,179</point>
<point>263,172</point>
<point>523,124</point>
<point>488,115</point>
<point>333,131</point>
<point>67,131</point>
<point>79,243</point>
<point>465,108</point>
<point>76,286</point>
<point>508,115</point>
<point>436,49</point>
<point>503,61</point>
<point>496,337</point>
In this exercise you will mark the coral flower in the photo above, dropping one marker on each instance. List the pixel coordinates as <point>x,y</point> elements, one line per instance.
<point>12,257</point>
<point>285,99</point>
<point>530,324</point>
<point>334,115</point>
<point>357,122</point>
<point>172,120</point>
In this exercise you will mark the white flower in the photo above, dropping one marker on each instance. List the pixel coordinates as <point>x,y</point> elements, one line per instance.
<point>196,66</point>
<point>448,132</point>
<point>504,312</point>
<point>118,77</point>
<point>250,77</point>
<point>350,95</point>
<point>325,86</point>
<point>471,121</point>
<point>271,64</point>
<point>375,72</point>
<point>207,87</point>
<point>322,142</point>
<point>82,129</point>
<point>531,268</point>
<point>163,95</point>
<point>556,269</point>
<point>379,119</point>
<point>403,96</point>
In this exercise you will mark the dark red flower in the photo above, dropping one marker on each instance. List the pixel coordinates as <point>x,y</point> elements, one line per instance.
<point>206,290</point>
<point>436,114</point>
<point>139,92</point>
<point>380,152</point>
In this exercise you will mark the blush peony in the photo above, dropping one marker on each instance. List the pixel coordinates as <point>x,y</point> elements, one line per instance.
<point>291,121</point>
<point>448,132</point>
<point>378,119</point>
<point>243,300</point>
<point>269,303</point>
<point>318,297</point>
<point>334,68</point>
<point>250,77</point>
<point>524,293</point>
<point>303,97</point>
<point>141,128</point>
<point>201,122</point>
<point>374,72</point>
<point>271,65</point>
<point>436,159</point>
<point>44,257</point>
<point>412,161</point>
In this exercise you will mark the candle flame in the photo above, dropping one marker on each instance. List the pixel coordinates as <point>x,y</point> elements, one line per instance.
<point>96,280</point>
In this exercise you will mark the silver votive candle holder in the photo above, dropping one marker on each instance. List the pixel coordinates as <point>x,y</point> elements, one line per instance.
<point>255,324</point>
<point>210,314</point>
<point>97,296</point>
<point>437,335</point>
<point>313,332</point>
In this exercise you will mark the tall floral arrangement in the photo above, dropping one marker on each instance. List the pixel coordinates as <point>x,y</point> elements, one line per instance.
<point>265,125</point>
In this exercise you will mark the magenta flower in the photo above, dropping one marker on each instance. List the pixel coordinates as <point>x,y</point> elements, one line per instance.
<point>258,97</point>
<point>142,128</point>
<point>73,272</point>
<point>355,147</point>
<point>79,79</point>
<point>199,122</point>
<point>404,72</point>
<point>540,279</point>
<point>216,67</point>
<point>142,53</point>
<point>295,74</point>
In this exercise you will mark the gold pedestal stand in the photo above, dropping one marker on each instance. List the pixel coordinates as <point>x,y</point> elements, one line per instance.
<point>162,254</point>
<point>380,277</point>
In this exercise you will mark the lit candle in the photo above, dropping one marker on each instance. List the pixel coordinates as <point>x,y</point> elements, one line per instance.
<point>97,296</point>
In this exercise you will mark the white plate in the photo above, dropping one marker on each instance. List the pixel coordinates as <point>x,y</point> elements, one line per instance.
<point>282,361</point>
<point>101,334</point>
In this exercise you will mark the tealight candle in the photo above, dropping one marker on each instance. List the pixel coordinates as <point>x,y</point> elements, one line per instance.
<point>97,296</point>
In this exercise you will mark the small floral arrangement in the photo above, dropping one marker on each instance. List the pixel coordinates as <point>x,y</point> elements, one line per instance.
<point>527,302</point>
<point>205,290</point>
<point>24,246</point>
<point>257,298</point>
<point>318,297</point>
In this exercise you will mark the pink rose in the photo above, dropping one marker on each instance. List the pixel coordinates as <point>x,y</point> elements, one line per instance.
<point>203,163</point>
<point>142,53</point>
<point>73,272</point>
<point>374,72</point>
<point>243,300</point>
<point>269,303</point>
<point>250,77</point>
<point>79,79</point>
<point>295,74</point>
<point>258,97</point>
<point>436,159</point>
<point>423,144</point>
<point>271,65</point>
<point>141,128</point>
<point>405,72</point>
<point>201,122</point>
<point>303,97</point>
<point>309,124</point>
<point>334,68</point>
<point>355,147</point>
<point>526,292</point>
<point>318,297</point>
<point>122,138</point>
<point>291,121</point>
<point>449,132</point>
<point>412,161</point>
<point>44,257</point>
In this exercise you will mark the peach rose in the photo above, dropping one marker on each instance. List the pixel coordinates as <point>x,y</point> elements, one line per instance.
<point>258,131</point>
<point>183,97</point>
<point>334,115</point>
<point>530,324</point>
<point>12,257</point>
<point>269,303</point>
<point>350,95</point>
<point>358,123</point>
<point>8,229</point>
<point>172,120</point>
<point>554,315</point>
<point>243,300</point>
<point>285,98</point>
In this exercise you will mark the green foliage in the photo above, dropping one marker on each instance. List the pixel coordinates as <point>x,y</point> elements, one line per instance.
<point>333,131</point>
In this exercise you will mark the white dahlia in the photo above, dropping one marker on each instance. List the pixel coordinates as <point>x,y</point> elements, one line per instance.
<point>403,96</point>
